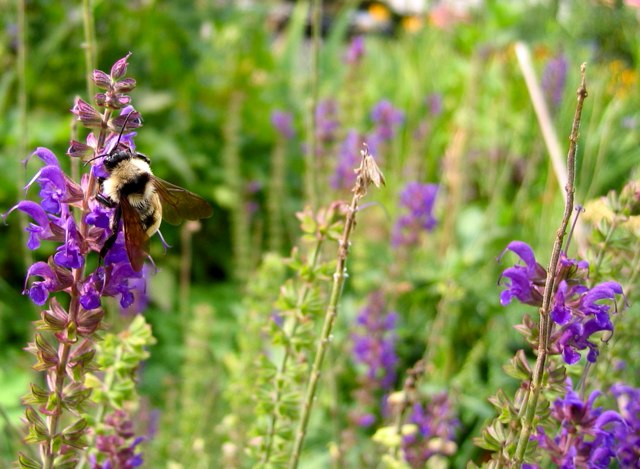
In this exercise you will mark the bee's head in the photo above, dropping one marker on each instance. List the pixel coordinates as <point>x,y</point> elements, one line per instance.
<point>117,155</point>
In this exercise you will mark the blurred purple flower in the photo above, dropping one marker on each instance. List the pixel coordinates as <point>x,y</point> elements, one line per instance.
<point>418,199</point>
<point>355,51</point>
<point>627,446</point>
<point>575,308</point>
<point>344,176</point>
<point>554,78</point>
<point>117,446</point>
<point>374,341</point>
<point>435,435</point>
<point>386,119</point>
<point>434,104</point>
<point>283,123</point>
<point>327,123</point>
<point>374,349</point>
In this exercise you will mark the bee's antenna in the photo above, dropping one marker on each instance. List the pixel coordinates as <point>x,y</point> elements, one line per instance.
<point>124,126</point>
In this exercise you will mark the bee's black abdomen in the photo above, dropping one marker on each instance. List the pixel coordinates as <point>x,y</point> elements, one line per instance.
<point>136,185</point>
<point>148,220</point>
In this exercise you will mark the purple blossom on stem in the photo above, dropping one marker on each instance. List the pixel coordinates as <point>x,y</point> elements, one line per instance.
<point>386,119</point>
<point>418,199</point>
<point>65,272</point>
<point>587,433</point>
<point>327,123</point>
<point>283,123</point>
<point>576,310</point>
<point>435,433</point>
<point>355,51</point>
<point>554,78</point>
<point>344,177</point>
<point>374,349</point>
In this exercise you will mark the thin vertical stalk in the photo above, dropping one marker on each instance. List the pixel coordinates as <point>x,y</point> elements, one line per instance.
<point>240,223</point>
<point>279,380</point>
<point>367,173</point>
<point>276,196</point>
<point>310,160</point>
<point>550,285</point>
<point>23,134</point>
<point>90,48</point>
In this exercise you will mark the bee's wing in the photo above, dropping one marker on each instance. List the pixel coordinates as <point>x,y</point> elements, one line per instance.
<point>179,204</point>
<point>136,240</point>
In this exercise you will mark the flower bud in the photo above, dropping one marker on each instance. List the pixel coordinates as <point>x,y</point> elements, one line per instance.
<point>101,79</point>
<point>89,117</point>
<point>119,68</point>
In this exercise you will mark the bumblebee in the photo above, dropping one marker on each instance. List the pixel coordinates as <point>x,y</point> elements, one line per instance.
<point>142,200</point>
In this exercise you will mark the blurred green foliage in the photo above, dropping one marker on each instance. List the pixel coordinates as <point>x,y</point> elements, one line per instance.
<point>191,58</point>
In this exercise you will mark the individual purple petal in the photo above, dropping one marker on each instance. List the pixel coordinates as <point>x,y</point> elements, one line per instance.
<point>46,156</point>
<point>560,313</point>
<point>68,254</point>
<point>523,251</point>
<point>38,231</point>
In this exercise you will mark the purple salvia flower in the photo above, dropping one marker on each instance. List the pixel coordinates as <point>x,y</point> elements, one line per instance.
<point>374,349</point>
<point>418,200</point>
<point>586,435</point>
<point>44,228</point>
<point>283,123</point>
<point>554,78</point>
<point>575,309</point>
<point>52,219</point>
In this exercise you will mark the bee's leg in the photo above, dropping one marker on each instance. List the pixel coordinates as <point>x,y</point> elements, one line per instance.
<point>106,201</point>
<point>115,223</point>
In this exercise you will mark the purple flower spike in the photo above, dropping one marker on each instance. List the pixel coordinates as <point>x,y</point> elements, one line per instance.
<point>355,52</point>
<point>387,119</point>
<point>283,123</point>
<point>418,199</point>
<point>554,78</point>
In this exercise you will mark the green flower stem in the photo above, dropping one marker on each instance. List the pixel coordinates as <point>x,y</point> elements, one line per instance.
<point>23,134</point>
<point>310,158</point>
<point>89,45</point>
<point>550,286</point>
<point>276,196</point>
<point>240,223</point>
<point>282,370</point>
<point>367,173</point>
